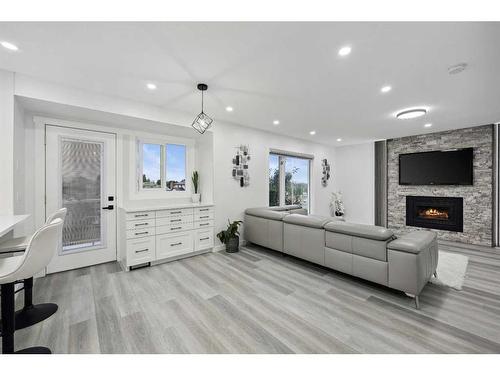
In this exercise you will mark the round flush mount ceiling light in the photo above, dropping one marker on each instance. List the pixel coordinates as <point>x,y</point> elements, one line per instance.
<point>385,89</point>
<point>458,68</point>
<point>427,125</point>
<point>408,114</point>
<point>344,51</point>
<point>312,132</point>
<point>339,139</point>
<point>229,109</point>
<point>276,122</point>
<point>9,46</point>
<point>151,86</point>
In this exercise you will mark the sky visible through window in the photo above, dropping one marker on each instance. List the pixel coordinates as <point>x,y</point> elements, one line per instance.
<point>175,166</point>
<point>151,162</point>
<point>176,162</point>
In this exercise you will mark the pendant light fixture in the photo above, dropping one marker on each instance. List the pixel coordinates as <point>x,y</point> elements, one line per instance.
<point>202,122</point>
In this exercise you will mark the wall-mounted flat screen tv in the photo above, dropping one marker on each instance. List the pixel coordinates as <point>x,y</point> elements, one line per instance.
<point>450,167</point>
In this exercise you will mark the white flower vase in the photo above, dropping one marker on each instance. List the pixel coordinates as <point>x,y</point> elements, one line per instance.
<point>195,198</point>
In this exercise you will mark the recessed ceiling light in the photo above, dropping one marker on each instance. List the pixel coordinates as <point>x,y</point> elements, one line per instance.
<point>312,132</point>
<point>344,51</point>
<point>411,113</point>
<point>229,109</point>
<point>276,122</point>
<point>151,86</point>
<point>339,139</point>
<point>385,89</point>
<point>9,45</point>
<point>427,125</point>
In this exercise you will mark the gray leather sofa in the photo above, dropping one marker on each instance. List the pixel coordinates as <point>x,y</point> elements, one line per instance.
<point>366,251</point>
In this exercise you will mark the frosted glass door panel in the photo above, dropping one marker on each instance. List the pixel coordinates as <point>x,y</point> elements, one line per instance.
<point>81,170</point>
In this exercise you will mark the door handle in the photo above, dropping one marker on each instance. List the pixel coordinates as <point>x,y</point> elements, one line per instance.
<point>109,207</point>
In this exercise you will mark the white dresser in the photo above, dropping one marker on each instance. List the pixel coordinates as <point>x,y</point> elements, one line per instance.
<point>162,234</point>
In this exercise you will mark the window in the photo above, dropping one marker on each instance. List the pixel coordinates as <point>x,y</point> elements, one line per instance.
<point>163,166</point>
<point>288,180</point>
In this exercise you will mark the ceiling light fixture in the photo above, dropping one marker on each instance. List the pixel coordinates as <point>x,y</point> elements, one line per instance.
<point>408,114</point>
<point>427,125</point>
<point>276,122</point>
<point>202,122</point>
<point>385,89</point>
<point>229,109</point>
<point>344,51</point>
<point>151,86</point>
<point>339,139</point>
<point>312,132</point>
<point>9,46</point>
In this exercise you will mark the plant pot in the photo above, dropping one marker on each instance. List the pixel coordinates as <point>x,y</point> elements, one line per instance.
<point>232,244</point>
<point>195,198</point>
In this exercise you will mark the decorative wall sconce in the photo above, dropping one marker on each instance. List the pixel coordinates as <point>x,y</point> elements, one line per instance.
<point>326,172</point>
<point>240,165</point>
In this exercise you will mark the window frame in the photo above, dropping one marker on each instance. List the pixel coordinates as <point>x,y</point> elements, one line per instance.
<point>282,155</point>
<point>162,192</point>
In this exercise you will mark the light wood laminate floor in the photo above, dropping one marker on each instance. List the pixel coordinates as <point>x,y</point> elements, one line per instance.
<point>258,301</point>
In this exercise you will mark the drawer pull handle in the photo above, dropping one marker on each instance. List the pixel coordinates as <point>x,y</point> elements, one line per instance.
<point>203,239</point>
<point>175,212</point>
<point>204,209</point>
<point>141,224</point>
<point>138,233</point>
<point>204,217</point>
<point>173,221</point>
<point>175,228</point>
<point>140,215</point>
<point>176,244</point>
<point>141,251</point>
<point>202,225</point>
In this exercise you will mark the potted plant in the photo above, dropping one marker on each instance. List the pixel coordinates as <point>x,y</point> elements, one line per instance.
<point>231,236</point>
<point>195,198</point>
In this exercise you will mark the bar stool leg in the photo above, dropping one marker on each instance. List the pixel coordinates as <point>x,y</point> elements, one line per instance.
<point>31,314</point>
<point>9,324</point>
<point>8,321</point>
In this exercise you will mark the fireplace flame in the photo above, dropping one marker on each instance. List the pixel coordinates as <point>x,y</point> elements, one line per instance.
<point>434,213</point>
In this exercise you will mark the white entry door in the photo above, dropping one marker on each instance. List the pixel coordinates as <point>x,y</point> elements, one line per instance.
<point>80,175</point>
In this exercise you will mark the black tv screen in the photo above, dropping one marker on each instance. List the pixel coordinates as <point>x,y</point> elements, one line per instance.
<point>453,167</point>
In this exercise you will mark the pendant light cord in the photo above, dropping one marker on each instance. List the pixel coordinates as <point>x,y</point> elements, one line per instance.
<point>202,101</point>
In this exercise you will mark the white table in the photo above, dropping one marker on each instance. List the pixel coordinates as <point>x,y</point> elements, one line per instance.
<point>8,222</point>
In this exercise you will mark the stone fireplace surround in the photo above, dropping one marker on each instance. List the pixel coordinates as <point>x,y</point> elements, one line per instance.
<point>477,199</point>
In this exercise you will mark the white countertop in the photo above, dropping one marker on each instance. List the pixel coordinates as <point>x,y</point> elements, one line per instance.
<point>7,222</point>
<point>138,207</point>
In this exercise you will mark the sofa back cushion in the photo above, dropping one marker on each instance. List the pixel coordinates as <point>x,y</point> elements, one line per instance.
<point>360,230</point>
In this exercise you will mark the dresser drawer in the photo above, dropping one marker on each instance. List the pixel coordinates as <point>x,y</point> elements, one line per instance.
<point>204,224</point>
<point>140,250</point>
<point>140,215</point>
<point>202,210</point>
<point>170,245</point>
<point>204,239</point>
<point>173,228</point>
<point>203,216</point>
<point>140,232</point>
<point>174,220</point>
<point>136,224</point>
<point>175,212</point>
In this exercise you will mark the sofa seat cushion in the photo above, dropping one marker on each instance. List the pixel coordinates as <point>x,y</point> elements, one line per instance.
<point>312,221</point>
<point>266,213</point>
<point>413,242</point>
<point>372,232</point>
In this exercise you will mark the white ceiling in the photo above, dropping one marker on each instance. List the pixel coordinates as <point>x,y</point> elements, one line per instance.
<point>285,71</point>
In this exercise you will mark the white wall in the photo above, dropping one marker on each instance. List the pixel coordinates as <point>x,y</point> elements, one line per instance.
<point>6,142</point>
<point>354,176</point>
<point>231,200</point>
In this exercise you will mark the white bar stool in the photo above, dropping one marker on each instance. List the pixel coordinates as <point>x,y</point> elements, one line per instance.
<point>31,314</point>
<point>39,251</point>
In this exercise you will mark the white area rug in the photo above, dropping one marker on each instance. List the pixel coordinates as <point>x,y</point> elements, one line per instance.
<point>451,270</point>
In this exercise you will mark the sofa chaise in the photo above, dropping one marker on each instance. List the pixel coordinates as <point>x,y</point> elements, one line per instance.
<point>366,251</point>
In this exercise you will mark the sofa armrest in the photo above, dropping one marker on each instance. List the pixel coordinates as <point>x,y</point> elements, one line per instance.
<point>413,242</point>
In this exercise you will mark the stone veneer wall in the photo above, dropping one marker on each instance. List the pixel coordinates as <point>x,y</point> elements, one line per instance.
<point>478,198</point>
